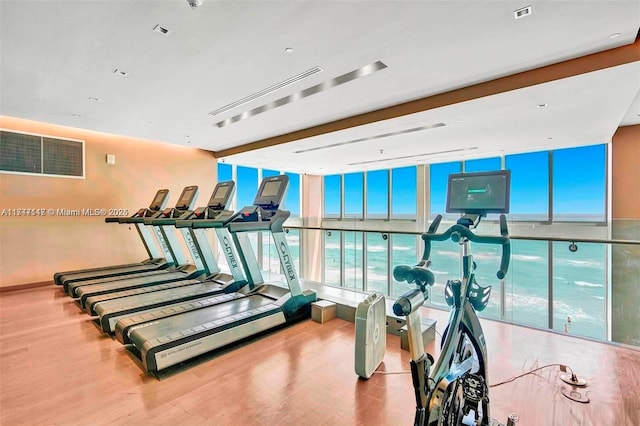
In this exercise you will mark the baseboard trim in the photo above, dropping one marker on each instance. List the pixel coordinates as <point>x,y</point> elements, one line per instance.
<point>25,286</point>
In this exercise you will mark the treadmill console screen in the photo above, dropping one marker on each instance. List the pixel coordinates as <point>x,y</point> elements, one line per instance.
<point>160,200</point>
<point>186,198</point>
<point>222,195</point>
<point>271,191</point>
<point>479,193</point>
<point>271,188</point>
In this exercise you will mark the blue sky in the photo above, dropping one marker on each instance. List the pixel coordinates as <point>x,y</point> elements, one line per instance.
<point>578,185</point>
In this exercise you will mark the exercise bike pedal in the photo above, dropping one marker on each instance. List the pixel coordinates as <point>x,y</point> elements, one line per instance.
<point>474,388</point>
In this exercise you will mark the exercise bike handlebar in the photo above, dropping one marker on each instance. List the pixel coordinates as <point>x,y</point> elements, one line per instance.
<point>457,231</point>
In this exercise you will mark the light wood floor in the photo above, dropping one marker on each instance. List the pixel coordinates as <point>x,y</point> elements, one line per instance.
<point>57,369</point>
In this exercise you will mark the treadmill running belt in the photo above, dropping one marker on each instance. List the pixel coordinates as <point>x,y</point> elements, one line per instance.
<point>172,340</point>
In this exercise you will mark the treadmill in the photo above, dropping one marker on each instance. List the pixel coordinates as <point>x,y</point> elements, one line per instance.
<point>155,261</point>
<point>180,271</point>
<point>115,306</point>
<point>164,338</point>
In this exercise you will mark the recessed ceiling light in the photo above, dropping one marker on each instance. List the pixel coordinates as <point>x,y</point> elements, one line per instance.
<point>120,72</point>
<point>542,105</point>
<point>162,30</point>
<point>288,50</point>
<point>614,35</point>
<point>522,12</point>
<point>91,98</point>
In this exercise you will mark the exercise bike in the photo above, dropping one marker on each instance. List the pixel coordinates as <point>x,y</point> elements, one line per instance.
<point>457,392</point>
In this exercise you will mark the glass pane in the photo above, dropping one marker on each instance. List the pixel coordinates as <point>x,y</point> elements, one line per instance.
<point>487,259</point>
<point>579,184</point>
<point>377,262</point>
<point>292,199</point>
<point>353,260</point>
<point>403,252</point>
<point>353,194</point>
<point>579,289</point>
<point>332,196</point>
<point>268,173</point>
<point>225,172</point>
<point>404,183</point>
<point>246,186</point>
<point>270,259</point>
<point>625,276</point>
<point>483,165</point>
<point>293,241</point>
<point>445,265</point>
<point>438,179</point>
<point>529,186</point>
<point>378,194</point>
<point>332,258</point>
<point>526,284</point>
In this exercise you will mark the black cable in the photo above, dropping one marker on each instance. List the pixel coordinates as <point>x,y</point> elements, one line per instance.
<point>527,373</point>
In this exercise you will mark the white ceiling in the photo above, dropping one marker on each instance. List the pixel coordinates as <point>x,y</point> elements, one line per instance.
<point>56,55</point>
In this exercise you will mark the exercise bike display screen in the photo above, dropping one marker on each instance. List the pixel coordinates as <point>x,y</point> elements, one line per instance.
<point>479,193</point>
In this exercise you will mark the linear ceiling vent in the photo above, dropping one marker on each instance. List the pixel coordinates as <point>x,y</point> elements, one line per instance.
<point>404,157</point>
<point>268,90</point>
<point>522,12</point>
<point>384,135</point>
<point>337,81</point>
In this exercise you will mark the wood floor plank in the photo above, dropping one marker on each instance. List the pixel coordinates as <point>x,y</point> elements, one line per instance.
<point>57,369</point>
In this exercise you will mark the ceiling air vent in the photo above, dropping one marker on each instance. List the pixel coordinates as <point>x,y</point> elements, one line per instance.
<point>289,81</point>
<point>380,136</point>
<point>522,12</point>
<point>413,156</point>
<point>337,81</point>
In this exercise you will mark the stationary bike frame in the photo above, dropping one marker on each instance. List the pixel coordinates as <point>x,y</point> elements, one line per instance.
<point>464,296</point>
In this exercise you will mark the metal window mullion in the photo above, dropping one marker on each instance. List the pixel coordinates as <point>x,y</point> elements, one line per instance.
<point>389,266</point>
<point>608,275</point>
<point>342,195</point>
<point>389,194</point>
<point>342,259</point>
<point>324,257</point>
<point>234,177</point>
<point>550,283</point>
<point>259,234</point>
<point>550,210</point>
<point>364,260</point>
<point>365,210</point>
<point>503,282</point>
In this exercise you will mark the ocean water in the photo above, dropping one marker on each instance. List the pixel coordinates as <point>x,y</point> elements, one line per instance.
<point>578,278</point>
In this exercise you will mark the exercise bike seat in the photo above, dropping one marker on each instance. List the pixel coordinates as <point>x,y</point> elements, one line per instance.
<point>413,274</point>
